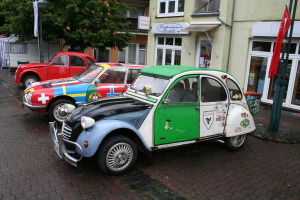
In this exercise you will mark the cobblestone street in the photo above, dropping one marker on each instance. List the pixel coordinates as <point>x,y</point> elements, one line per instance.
<point>30,168</point>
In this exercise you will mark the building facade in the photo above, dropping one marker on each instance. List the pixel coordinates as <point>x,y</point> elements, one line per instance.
<point>237,36</point>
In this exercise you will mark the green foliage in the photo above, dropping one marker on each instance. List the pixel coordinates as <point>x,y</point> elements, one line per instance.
<point>81,23</point>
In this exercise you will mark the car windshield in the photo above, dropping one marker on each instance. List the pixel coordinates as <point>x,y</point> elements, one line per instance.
<point>150,85</point>
<point>89,74</point>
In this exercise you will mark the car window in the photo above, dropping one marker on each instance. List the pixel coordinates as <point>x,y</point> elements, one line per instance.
<point>89,61</point>
<point>89,74</point>
<point>132,74</point>
<point>113,75</point>
<point>184,91</point>
<point>212,90</point>
<point>61,60</point>
<point>77,61</point>
<point>234,91</point>
<point>149,85</point>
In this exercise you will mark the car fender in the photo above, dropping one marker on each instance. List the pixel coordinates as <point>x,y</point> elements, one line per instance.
<point>239,121</point>
<point>95,135</point>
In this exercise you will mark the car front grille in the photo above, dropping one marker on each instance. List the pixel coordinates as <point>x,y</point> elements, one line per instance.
<point>66,132</point>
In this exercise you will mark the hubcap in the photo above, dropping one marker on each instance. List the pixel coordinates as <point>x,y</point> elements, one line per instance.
<point>238,140</point>
<point>59,113</point>
<point>119,156</point>
<point>29,81</point>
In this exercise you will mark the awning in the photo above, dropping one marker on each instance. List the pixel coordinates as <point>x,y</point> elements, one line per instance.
<point>200,27</point>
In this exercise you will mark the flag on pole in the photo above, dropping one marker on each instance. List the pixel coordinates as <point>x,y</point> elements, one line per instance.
<point>283,29</point>
<point>35,18</point>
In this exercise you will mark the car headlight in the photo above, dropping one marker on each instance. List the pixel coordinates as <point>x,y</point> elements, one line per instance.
<point>68,108</point>
<point>28,96</point>
<point>87,122</point>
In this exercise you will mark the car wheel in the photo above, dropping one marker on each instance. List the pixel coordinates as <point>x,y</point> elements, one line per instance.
<point>56,112</point>
<point>29,79</point>
<point>236,142</point>
<point>117,155</point>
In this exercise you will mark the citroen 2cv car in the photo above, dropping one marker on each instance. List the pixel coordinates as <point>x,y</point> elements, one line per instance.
<point>166,106</point>
<point>97,81</point>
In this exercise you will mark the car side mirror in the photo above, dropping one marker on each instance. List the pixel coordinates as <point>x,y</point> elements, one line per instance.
<point>167,101</point>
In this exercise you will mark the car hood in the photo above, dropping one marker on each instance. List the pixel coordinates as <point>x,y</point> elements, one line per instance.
<point>32,65</point>
<point>107,108</point>
<point>53,83</point>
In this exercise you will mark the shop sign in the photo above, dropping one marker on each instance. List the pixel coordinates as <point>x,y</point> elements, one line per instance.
<point>169,28</point>
<point>143,22</point>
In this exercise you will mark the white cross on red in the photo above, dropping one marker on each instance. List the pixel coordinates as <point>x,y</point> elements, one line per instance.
<point>43,98</point>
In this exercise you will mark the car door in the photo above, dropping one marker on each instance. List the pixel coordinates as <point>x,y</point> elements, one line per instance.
<point>58,68</point>
<point>77,64</point>
<point>214,106</point>
<point>176,118</point>
<point>111,82</point>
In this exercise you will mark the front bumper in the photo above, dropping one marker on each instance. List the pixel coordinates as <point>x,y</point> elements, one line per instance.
<point>59,147</point>
<point>33,107</point>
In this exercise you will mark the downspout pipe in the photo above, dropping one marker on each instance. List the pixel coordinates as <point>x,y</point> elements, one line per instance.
<point>230,38</point>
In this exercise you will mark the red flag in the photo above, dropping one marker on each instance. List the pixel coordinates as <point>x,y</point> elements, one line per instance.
<point>283,29</point>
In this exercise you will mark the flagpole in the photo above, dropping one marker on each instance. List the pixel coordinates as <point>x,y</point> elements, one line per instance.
<point>281,81</point>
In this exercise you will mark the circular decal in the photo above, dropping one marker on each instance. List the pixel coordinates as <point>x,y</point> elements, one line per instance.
<point>94,96</point>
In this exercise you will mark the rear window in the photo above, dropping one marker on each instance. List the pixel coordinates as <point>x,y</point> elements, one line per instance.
<point>234,91</point>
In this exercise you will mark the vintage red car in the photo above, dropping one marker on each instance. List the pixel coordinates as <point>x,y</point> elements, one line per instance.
<point>97,81</point>
<point>63,64</point>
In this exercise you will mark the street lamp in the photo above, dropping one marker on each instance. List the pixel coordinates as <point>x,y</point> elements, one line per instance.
<point>41,5</point>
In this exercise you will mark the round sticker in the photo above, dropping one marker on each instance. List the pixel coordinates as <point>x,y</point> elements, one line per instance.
<point>94,96</point>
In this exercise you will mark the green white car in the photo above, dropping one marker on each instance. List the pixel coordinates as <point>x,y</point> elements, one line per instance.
<point>166,106</point>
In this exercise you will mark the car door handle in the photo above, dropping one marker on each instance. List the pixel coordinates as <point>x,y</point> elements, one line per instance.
<point>197,108</point>
<point>121,87</point>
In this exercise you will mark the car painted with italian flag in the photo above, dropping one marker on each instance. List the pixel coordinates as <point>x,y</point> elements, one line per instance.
<point>97,81</point>
<point>166,106</point>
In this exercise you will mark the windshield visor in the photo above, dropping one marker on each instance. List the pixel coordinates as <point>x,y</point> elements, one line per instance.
<point>89,74</point>
<point>150,85</point>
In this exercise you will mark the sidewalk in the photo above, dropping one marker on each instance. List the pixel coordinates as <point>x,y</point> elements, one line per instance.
<point>289,128</point>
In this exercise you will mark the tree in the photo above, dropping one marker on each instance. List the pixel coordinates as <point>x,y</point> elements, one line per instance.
<point>81,23</point>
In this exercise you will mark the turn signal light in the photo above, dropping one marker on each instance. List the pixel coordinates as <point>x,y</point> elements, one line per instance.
<point>86,144</point>
<point>224,76</point>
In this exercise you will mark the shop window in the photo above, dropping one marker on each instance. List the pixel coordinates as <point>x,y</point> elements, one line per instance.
<point>20,48</point>
<point>296,91</point>
<point>168,51</point>
<point>273,81</point>
<point>102,55</point>
<point>257,74</point>
<point>134,54</point>
<point>204,53</point>
<point>293,48</point>
<point>207,6</point>
<point>170,8</point>
<point>261,46</point>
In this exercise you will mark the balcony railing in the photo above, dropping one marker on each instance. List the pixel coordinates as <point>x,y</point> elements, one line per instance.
<point>133,26</point>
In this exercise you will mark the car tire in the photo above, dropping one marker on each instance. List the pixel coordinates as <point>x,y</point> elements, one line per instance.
<point>55,110</point>
<point>117,155</point>
<point>29,79</point>
<point>236,142</point>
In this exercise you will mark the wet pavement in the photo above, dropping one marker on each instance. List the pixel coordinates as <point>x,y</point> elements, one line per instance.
<point>30,169</point>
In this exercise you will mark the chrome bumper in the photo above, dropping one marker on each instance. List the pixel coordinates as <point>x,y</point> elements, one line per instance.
<point>32,107</point>
<point>59,147</point>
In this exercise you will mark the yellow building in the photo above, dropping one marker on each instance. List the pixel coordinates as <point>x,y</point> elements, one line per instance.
<point>237,36</point>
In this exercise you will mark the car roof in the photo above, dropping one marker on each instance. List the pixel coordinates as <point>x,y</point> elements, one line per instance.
<point>122,65</point>
<point>72,53</point>
<point>169,71</point>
